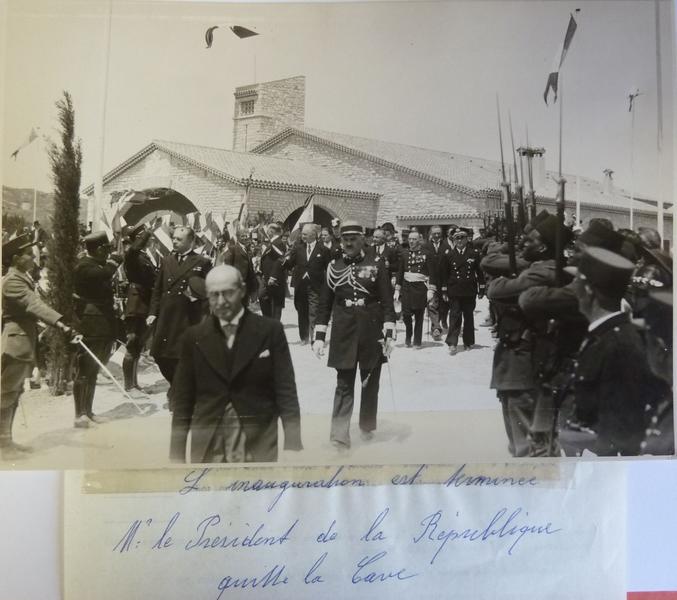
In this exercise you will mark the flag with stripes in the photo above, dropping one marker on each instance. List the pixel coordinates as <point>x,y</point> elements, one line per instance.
<point>553,76</point>
<point>307,213</point>
<point>32,136</point>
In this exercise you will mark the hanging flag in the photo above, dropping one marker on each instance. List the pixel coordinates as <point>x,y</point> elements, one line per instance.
<point>163,238</point>
<point>307,213</point>
<point>202,219</point>
<point>238,30</point>
<point>219,222</point>
<point>32,136</point>
<point>243,215</point>
<point>553,77</point>
<point>209,36</point>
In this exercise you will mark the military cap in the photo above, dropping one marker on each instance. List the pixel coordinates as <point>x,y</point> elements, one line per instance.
<point>131,231</point>
<point>547,227</point>
<point>602,237</point>
<point>96,239</point>
<point>15,246</point>
<point>459,234</point>
<point>388,226</point>
<point>351,227</point>
<point>605,270</point>
<point>657,257</point>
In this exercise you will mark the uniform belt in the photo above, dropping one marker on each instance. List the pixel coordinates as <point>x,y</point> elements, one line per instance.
<point>415,277</point>
<point>348,303</point>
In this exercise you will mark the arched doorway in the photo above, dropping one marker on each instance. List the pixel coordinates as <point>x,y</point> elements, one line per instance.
<point>145,205</point>
<point>321,217</point>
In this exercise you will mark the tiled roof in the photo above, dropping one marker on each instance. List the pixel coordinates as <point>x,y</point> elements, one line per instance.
<point>476,176</point>
<point>266,171</point>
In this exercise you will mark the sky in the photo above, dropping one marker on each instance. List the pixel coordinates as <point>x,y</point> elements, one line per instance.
<point>419,73</point>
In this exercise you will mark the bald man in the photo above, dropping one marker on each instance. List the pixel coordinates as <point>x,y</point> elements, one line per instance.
<point>234,379</point>
<point>308,261</point>
<point>174,305</point>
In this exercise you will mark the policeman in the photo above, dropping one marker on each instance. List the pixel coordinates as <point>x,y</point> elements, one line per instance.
<point>22,308</point>
<point>141,273</point>
<point>176,303</point>
<point>357,296</point>
<point>416,286</point>
<point>94,307</point>
<point>462,281</point>
<point>612,379</point>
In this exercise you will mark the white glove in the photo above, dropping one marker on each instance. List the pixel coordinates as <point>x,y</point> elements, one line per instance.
<point>150,319</point>
<point>318,348</point>
<point>388,347</point>
<point>396,296</point>
<point>430,294</point>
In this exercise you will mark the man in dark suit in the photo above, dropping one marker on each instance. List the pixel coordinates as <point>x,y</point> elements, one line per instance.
<point>237,254</point>
<point>140,272</point>
<point>234,380</point>
<point>612,379</point>
<point>416,286</point>
<point>331,244</point>
<point>462,282</point>
<point>357,297</point>
<point>308,261</point>
<point>438,307</point>
<point>273,274</point>
<point>387,253</point>
<point>174,303</point>
<point>94,308</point>
<point>22,308</point>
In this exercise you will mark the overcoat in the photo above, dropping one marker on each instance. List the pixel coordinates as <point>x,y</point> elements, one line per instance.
<point>357,296</point>
<point>141,274</point>
<point>171,303</point>
<point>22,308</point>
<point>272,267</point>
<point>94,306</point>
<point>256,377</point>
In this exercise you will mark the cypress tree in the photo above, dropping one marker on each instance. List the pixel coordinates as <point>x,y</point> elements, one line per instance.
<point>65,158</point>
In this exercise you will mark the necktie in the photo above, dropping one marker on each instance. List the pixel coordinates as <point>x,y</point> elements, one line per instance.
<point>229,330</point>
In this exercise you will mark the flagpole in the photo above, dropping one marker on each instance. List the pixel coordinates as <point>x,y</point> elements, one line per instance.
<point>659,121</point>
<point>632,165</point>
<point>98,183</point>
<point>559,241</point>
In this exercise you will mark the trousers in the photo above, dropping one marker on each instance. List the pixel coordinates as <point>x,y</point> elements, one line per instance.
<point>14,372</point>
<point>306,302</point>
<point>86,372</point>
<point>344,399</point>
<point>518,410</point>
<point>270,307</point>
<point>415,314</point>
<point>461,308</point>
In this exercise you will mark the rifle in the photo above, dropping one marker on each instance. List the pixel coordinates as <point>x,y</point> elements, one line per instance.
<point>507,201</point>
<point>521,217</point>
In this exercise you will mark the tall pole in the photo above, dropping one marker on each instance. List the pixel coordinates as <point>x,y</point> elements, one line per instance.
<point>578,200</point>
<point>632,163</point>
<point>659,120</point>
<point>559,240</point>
<point>507,201</point>
<point>98,182</point>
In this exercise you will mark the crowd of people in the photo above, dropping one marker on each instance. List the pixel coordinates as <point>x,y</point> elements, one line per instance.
<point>582,362</point>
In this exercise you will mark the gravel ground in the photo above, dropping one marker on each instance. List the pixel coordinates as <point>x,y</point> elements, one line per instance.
<point>439,409</point>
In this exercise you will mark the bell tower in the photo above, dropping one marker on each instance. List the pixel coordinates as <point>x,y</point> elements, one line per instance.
<point>264,109</point>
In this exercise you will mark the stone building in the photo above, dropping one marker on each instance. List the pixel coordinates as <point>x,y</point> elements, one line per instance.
<point>282,162</point>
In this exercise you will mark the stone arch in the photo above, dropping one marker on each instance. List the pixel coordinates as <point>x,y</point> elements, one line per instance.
<point>321,216</point>
<point>144,204</point>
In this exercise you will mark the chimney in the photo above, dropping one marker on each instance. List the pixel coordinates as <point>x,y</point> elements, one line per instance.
<point>608,182</point>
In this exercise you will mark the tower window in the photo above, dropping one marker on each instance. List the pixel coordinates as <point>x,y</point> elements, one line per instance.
<point>247,107</point>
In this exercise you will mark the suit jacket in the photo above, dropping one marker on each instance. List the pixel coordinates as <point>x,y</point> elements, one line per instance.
<point>22,308</point>
<point>613,383</point>
<point>256,377</point>
<point>308,271</point>
<point>460,273</point>
<point>272,266</point>
<point>175,311</point>
<point>236,256</point>
<point>389,255</point>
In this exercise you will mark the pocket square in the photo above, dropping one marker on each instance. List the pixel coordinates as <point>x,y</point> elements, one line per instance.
<point>265,354</point>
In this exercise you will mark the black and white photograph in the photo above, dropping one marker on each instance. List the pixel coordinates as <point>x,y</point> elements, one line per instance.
<point>317,233</point>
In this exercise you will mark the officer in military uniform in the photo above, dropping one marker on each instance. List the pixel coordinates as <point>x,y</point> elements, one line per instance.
<point>462,282</point>
<point>140,272</point>
<point>22,308</point>
<point>416,286</point>
<point>357,297</point>
<point>94,308</point>
<point>387,253</point>
<point>176,302</point>
<point>612,379</point>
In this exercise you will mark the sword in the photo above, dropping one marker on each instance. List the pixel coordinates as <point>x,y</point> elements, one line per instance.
<point>78,340</point>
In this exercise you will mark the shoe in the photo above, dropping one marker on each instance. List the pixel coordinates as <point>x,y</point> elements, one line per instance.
<point>366,436</point>
<point>453,350</point>
<point>82,422</point>
<point>417,347</point>
<point>407,343</point>
<point>304,342</point>
<point>35,385</point>
<point>97,420</point>
<point>136,394</point>
<point>340,447</point>
<point>467,347</point>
